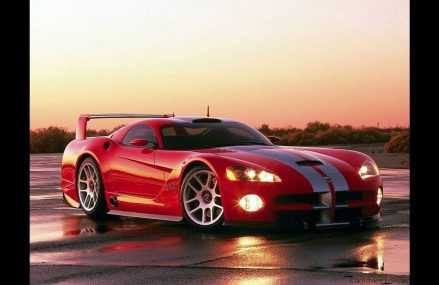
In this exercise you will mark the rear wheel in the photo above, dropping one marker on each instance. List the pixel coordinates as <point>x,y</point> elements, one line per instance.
<point>91,189</point>
<point>201,199</point>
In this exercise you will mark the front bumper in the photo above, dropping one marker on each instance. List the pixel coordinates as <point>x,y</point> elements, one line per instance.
<point>360,222</point>
<point>288,206</point>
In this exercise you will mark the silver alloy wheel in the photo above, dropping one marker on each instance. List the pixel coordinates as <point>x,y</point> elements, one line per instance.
<point>202,199</point>
<point>88,186</point>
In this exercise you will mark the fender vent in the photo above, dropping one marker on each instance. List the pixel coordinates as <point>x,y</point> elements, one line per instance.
<point>106,145</point>
<point>113,201</point>
<point>309,162</point>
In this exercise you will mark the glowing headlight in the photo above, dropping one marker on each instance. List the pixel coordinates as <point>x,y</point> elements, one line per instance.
<point>368,169</point>
<point>250,174</point>
<point>242,173</point>
<point>265,176</point>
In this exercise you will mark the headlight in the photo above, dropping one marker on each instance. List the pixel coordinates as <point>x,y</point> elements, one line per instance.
<point>242,173</point>
<point>379,196</point>
<point>368,169</point>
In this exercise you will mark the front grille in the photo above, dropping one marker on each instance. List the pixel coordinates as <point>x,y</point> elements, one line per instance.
<point>309,198</point>
<point>344,197</point>
<point>297,217</point>
<point>341,198</point>
<point>347,215</point>
<point>319,211</point>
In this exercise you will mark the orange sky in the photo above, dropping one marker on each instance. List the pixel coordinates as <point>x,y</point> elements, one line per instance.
<point>283,63</point>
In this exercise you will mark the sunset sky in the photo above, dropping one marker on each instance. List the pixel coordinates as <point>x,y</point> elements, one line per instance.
<point>283,63</point>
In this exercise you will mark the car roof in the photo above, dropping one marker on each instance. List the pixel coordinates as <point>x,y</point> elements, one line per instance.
<point>157,123</point>
<point>184,119</point>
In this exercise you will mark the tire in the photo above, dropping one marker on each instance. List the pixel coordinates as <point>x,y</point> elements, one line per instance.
<point>91,189</point>
<point>200,199</point>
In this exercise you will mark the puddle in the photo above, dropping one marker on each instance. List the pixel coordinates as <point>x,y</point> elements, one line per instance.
<point>54,228</point>
<point>373,262</point>
<point>125,246</point>
<point>385,254</point>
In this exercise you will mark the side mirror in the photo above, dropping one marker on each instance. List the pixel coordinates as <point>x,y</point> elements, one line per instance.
<point>274,139</point>
<point>139,142</point>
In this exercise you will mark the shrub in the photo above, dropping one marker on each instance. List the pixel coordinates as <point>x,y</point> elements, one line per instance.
<point>50,140</point>
<point>318,133</point>
<point>55,139</point>
<point>332,136</point>
<point>314,127</point>
<point>399,142</point>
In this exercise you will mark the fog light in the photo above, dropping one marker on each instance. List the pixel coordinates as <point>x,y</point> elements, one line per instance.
<point>379,196</point>
<point>251,203</point>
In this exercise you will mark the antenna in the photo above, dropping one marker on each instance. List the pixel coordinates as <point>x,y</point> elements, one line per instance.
<point>208,111</point>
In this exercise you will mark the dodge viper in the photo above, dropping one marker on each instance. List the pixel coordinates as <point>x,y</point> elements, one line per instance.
<point>212,172</point>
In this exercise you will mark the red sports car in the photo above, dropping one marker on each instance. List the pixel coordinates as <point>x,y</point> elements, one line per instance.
<point>214,171</point>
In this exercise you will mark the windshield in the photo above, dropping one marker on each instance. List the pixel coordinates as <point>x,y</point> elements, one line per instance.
<point>208,135</point>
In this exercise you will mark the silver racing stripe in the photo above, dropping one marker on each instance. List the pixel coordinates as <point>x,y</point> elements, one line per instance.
<point>318,183</point>
<point>330,170</point>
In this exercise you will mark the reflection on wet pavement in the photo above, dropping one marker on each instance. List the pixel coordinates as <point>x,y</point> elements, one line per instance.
<point>61,235</point>
<point>124,246</point>
<point>136,242</point>
<point>397,181</point>
<point>255,281</point>
<point>77,224</point>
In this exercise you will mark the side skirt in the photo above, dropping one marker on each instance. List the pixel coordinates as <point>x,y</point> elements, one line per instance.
<point>147,216</point>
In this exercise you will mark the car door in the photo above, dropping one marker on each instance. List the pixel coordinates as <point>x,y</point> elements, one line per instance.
<point>133,167</point>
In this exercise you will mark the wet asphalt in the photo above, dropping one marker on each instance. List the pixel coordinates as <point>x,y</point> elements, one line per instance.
<point>66,247</point>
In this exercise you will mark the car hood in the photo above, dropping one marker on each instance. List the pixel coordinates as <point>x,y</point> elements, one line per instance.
<point>305,161</point>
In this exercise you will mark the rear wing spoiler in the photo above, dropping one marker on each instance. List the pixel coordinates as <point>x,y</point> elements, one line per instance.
<point>81,127</point>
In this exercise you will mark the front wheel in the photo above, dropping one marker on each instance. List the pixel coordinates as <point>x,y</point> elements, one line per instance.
<point>91,189</point>
<point>201,199</point>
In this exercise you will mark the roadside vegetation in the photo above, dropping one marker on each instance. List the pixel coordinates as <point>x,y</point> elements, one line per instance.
<point>399,142</point>
<point>317,133</point>
<point>54,139</point>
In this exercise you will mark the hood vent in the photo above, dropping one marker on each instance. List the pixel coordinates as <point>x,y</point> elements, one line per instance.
<point>309,162</point>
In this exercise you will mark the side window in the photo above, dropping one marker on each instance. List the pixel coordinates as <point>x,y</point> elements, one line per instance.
<point>169,132</point>
<point>140,132</point>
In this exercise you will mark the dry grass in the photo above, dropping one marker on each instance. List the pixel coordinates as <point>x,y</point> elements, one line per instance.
<point>399,142</point>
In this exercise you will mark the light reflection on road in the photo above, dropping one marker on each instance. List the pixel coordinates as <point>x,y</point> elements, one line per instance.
<point>396,183</point>
<point>141,242</point>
